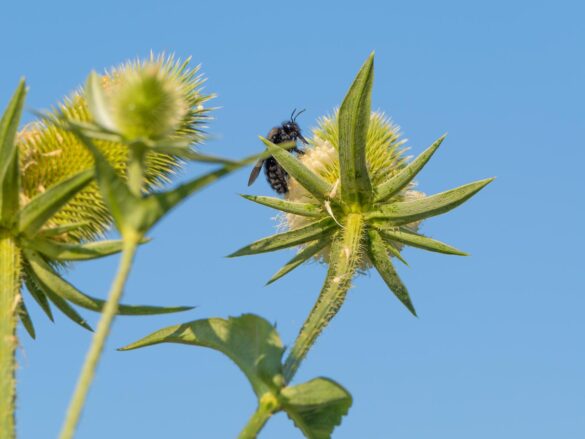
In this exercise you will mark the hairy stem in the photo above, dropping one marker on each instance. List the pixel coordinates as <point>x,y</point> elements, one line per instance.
<point>10,261</point>
<point>99,338</point>
<point>344,258</point>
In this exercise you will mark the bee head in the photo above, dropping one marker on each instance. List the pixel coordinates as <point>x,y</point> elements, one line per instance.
<point>292,128</point>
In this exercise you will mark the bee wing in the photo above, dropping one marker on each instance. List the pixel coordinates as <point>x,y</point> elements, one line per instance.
<point>255,172</point>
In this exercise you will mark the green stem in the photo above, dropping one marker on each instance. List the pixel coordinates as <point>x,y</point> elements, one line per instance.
<point>137,155</point>
<point>344,259</point>
<point>99,338</point>
<point>10,264</point>
<point>267,406</point>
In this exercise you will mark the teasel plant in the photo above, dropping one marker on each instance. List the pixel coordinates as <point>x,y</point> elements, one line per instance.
<point>155,110</point>
<point>52,213</point>
<point>352,204</point>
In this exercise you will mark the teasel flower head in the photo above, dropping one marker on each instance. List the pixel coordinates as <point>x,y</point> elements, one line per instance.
<point>352,204</point>
<point>52,210</point>
<point>385,156</point>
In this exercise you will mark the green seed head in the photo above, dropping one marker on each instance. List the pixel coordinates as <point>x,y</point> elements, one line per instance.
<point>49,154</point>
<point>384,156</point>
<point>147,102</point>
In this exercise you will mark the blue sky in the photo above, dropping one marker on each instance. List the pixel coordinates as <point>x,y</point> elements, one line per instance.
<point>497,350</point>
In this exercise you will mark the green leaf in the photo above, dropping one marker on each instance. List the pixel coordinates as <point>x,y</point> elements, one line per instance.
<point>395,253</point>
<point>303,209</point>
<point>405,212</point>
<point>75,252</point>
<point>313,183</point>
<point>305,254</point>
<point>60,287</point>
<point>36,291</point>
<point>249,341</point>
<point>317,406</point>
<point>399,181</point>
<point>291,238</point>
<point>60,303</point>
<point>25,319</point>
<point>42,207</point>
<point>9,172</point>
<point>68,310</point>
<point>189,154</point>
<point>156,205</point>
<point>414,239</point>
<point>61,230</point>
<point>354,118</point>
<point>97,102</point>
<point>379,257</point>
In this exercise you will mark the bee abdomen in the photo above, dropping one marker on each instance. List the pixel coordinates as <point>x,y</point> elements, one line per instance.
<point>276,175</point>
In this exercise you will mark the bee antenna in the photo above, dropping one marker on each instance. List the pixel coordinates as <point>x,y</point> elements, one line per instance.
<point>298,114</point>
<point>292,115</point>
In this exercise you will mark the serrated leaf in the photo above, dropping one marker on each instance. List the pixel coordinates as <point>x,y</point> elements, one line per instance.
<point>305,254</point>
<point>36,291</point>
<point>404,212</point>
<point>97,102</point>
<point>303,209</point>
<point>317,406</point>
<point>42,207</point>
<point>415,240</point>
<point>250,341</point>
<point>313,183</point>
<point>26,320</point>
<point>379,258</point>
<point>399,181</point>
<point>75,252</point>
<point>308,233</point>
<point>354,118</point>
<point>60,287</point>
<point>9,173</point>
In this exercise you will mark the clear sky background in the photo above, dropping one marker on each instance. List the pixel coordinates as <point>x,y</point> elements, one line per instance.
<point>497,350</point>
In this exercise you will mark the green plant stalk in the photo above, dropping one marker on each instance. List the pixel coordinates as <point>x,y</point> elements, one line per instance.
<point>10,260</point>
<point>345,256</point>
<point>130,245</point>
<point>137,154</point>
<point>267,406</point>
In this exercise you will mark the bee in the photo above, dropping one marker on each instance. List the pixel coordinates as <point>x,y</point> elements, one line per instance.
<point>276,176</point>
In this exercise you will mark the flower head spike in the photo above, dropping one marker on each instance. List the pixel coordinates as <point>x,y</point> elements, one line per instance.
<point>352,204</point>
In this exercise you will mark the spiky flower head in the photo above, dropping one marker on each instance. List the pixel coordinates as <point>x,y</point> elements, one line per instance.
<point>385,157</point>
<point>49,153</point>
<point>51,209</point>
<point>150,99</point>
<point>352,204</point>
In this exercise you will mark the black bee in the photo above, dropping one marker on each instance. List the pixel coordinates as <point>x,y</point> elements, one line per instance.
<point>277,177</point>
